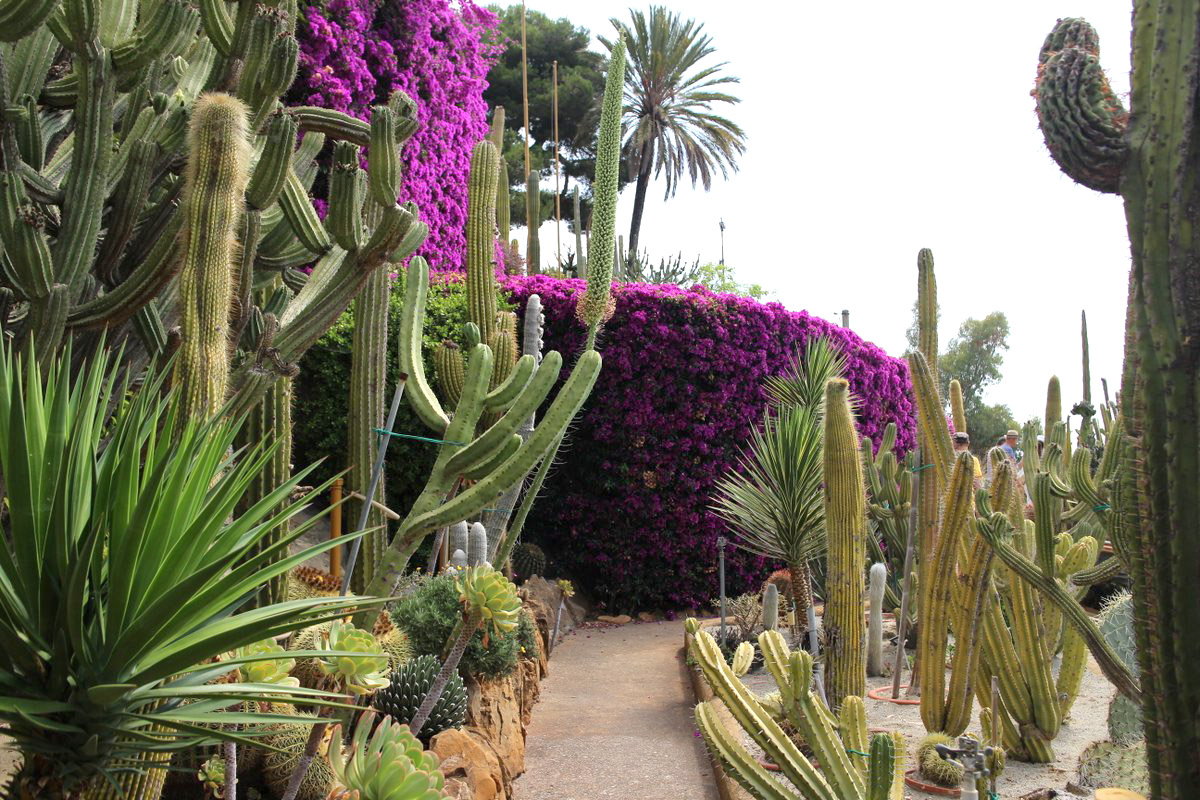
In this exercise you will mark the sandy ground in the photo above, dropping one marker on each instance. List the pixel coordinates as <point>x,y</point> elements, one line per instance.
<point>1086,724</point>
<point>615,721</point>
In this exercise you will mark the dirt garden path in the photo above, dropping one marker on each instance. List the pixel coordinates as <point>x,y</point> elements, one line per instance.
<point>615,721</point>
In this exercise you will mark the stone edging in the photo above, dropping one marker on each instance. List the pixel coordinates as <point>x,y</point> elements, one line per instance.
<point>727,787</point>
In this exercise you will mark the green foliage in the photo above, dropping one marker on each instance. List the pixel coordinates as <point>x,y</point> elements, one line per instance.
<point>429,615</point>
<point>974,358</point>
<point>119,582</point>
<point>722,278</point>
<point>322,398</point>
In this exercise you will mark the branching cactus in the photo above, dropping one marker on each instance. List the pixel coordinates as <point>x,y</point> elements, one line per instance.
<point>1149,154</point>
<point>889,507</point>
<point>845,527</point>
<point>848,770</point>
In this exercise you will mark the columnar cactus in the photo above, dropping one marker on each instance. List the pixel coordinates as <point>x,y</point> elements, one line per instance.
<point>845,526</point>
<point>1087,364</point>
<point>216,178</point>
<point>770,606</point>
<point>1148,154</point>
<point>533,222</point>
<point>889,482</point>
<point>877,583</point>
<point>842,775</point>
<point>580,256</point>
<point>958,412</point>
<point>477,545</point>
<point>481,221</point>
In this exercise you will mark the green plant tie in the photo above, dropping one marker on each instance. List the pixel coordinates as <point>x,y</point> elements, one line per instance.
<point>923,466</point>
<point>384,432</point>
<point>1101,507</point>
<point>858,753</point>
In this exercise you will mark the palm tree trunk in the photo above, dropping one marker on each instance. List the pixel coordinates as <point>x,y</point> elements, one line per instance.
<point>801,595</point>
<point>645,161</point>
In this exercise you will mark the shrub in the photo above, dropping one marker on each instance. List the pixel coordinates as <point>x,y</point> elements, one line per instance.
<point>626,510</point>
<point>353,53</point>
<point>429,614</point>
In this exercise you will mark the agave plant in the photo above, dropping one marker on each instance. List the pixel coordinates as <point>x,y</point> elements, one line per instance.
<point>125,574</point>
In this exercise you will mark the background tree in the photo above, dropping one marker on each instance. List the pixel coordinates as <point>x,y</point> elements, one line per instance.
<point>974,357</point>
<point>669,99</point>
<point>580,86</point>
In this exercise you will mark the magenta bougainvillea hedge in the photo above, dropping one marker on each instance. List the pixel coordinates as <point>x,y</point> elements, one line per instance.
<point>626,510</point>
<point>353,53</point>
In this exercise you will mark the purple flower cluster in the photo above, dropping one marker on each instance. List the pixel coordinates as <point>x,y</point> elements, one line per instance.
<point>353,53</point>
<point>626,510</point>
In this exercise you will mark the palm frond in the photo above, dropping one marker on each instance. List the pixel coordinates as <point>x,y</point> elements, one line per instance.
<point>804,382</point>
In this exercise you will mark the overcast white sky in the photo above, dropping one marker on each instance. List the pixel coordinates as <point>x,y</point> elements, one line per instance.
<point>878,128</point>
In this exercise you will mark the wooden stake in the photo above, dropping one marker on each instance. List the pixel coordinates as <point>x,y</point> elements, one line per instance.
<point>525,89</point>
<point>557,198</point>
<point>335,527</point>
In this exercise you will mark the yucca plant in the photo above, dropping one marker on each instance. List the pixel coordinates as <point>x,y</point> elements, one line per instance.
<point>773,500</point>
<point>124,575</point>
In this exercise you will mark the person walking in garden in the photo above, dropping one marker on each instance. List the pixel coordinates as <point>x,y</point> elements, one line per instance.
<point>1010,446</point>
<point>962,443</point>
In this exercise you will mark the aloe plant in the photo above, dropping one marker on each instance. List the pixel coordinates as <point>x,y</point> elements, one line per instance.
<point>124,569</point>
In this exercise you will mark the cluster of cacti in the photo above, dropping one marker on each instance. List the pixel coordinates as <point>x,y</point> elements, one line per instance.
<point>1108,764</point>
<point>889,507</point>
<point>386,764</point>
<point>528,560</point>
<point>845,530</point>
<point>1148,154</point>
<point>408,688</point>
<point>849,770</point>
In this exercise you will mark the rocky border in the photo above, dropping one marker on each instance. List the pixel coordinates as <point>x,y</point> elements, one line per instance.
<point>727,787</point>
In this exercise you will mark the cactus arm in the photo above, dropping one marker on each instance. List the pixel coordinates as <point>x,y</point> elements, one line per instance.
<point>133,293</point>
<point>1110,663</point>
<point>481,243</point>
<point>882,767</point>
<point>19,18</point>
<point>298,210</point>
<point>332,123</point>
<point>507,392</point>
<point>1103,572</point>
<point>274,163</point>
<point>502,454</point>
<point>171,24</point>
<point>754,720</point>
<point>25,245</point>
<point>938,448</point>
<point>412,321</point>
<point>957,410</point>
<point>344,220</point>
<point>218,24</point>
<point>734,758</point>
<point>129,201</point>
<point>383,169</point>
<point>968,633</point>
<point>527,402</point>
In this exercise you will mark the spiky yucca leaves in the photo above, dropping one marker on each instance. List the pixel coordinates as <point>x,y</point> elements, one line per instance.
<point>153,515</point>
<point>839,778</point>
<point>803,384</point>
<point>409,685</point>
<point>845,526</point>
<point>594,306</point>
<point>216,178</point>
<point>389,765</point>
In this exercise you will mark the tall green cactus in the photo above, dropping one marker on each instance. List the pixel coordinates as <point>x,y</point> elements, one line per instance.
<point>958,413</point>
<point>1087,362</point>
<point>216,178</point>
<point>889,482</point>
<point>580,256</point>
<point>533,222</point>
<point>843,774</point>
<point>845,530</point>
<point>481,248</point>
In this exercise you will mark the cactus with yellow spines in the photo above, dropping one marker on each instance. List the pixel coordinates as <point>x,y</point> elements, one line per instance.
<point>216,179</point>
<point>958,411</point>
<point>845,530</point>
<point>865,774</point>
<point>481,222</point>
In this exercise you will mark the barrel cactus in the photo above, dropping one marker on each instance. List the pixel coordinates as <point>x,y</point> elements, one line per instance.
<point>528,560</point>
<point>408,688</point>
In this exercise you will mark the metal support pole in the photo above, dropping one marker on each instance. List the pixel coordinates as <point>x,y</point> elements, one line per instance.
<point>845,318</point>
<point>721,542</point>
<point>335,527</point>
<point>376,472</point>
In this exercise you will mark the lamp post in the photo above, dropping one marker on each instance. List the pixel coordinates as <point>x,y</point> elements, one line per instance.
<point>722,241</point>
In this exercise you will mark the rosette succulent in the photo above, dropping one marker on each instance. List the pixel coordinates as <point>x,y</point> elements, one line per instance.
<point>389,765</point>
<point>485,592</point>
<point>212,777</point>
<point>361,673</point>
<point>268,670</point>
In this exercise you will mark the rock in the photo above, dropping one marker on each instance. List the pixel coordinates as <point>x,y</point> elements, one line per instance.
<point>457,789</point>
<point>620,619</point>
<point>470,765</point>
<point>531,689</point>
<point>647,616</point>
<point>494,715</point>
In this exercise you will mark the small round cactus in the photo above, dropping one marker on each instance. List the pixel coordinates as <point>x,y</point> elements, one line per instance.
<point>361,673</point>
<point>389,765</point>
<point>409,685</point>
<point>528,560</point>
<point>935,768</point>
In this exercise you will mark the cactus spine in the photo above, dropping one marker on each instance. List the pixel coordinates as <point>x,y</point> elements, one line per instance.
<point>877,583</point>
<point>217,175</point>
<point>845,526</point>
<point>957,411</point>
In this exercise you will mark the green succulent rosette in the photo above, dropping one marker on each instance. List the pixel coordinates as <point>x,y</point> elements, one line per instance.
<point>484,590</point>
<point>362,673</point>
<point>268,670</point>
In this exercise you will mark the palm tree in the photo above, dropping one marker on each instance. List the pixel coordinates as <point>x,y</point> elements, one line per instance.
<point>773,500</point>
<point>669,102</point>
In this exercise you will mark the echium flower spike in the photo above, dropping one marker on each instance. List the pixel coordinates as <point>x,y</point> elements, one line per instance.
<point>596,304</point>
